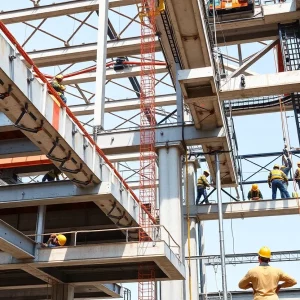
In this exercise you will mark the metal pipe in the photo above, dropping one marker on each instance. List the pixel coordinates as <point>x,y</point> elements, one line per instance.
<point>221,231</point>
<point>40,223</point>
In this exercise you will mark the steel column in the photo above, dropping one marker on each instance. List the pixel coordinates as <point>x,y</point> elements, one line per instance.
<point>221,231</point>
<point>62,292</point>
<point>179,99</point>
<point>101,65</point>
<point>191,189</point>
<point>40,223</point>
<point>170,201</point>
<point>201,262</point>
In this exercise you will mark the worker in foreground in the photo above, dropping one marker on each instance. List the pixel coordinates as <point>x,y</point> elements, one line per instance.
<point>57,85</point>
<point>52,175</point>
<point>202,185</point>
<point>297,174</point>
<point>277,180</point>
<point>264,279</point>
<point>255,193</point>
<point>56,240</point>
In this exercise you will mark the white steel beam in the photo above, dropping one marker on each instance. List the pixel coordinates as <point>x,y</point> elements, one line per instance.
<point>246,209</point>
<point>87,52</point>
<point>253,60</point>
<point>165,258</point>
<point>15,242</point>
<point>256,86</point>
<point>121,105</point>
<point>57,10</point>
<point>111,74</point>
<point>233,68</point>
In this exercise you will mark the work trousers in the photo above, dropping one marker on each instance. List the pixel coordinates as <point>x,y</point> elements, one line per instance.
<point>63,98</point>
<point>279,184</point>
<point>201,191</point>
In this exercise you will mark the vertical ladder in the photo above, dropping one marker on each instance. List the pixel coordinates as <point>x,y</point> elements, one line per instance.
<point>290,46</point>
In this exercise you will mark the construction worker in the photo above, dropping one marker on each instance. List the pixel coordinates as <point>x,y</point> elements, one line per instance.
<point>297,174</point>
<point>276,181</point>
<point>56,240</point>
<point>202,185</point>
<point>56,84</point>
<point>255,193</point>
<point>52,175</point>
<point>264,279</point>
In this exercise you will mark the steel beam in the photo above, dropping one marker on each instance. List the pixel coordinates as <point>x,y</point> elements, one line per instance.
<point>15,243</point>
<point>120,142</point>
<point>18,148</point>
<point>256,86</point>
<point>165,259</point>
<point>247,258</point>
<point>57,10</point>
<point>87,52</point>
<point>246,209</point>
<point>111,74</point>
<point>119,105</point>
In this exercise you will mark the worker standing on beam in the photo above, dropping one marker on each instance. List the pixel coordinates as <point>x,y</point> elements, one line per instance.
<point>57,85</point>
<point>202,185</point>
<point>276,181</point>
<point>297,174</point>
<point>264,279</point>
<point>255,193</point>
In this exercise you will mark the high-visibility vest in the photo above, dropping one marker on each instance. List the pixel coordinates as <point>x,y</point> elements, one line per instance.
<point>298,171</point>
<point>254,193</point>
<point>201,181</point>
<point>276,174</point>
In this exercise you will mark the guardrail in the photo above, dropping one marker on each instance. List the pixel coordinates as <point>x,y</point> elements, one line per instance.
<point>158,233</point>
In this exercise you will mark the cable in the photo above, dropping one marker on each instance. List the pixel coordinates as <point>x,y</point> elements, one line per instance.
<point>188,221</point>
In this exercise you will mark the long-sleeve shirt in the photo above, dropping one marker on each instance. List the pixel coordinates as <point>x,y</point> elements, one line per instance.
<point>255,194</point>
<point>264,280</point>
<point>297,174</point>
<point>202,181</point>
<point>58,87</point>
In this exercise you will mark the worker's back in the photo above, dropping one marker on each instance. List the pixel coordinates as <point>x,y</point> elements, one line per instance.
<point>265,280</point>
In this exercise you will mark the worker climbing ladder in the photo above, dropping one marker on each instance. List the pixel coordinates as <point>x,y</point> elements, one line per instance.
<point>290,47</point>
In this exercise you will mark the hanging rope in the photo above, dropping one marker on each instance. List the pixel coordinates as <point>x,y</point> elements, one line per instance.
<point>287,143</point>
<point>187,203</point>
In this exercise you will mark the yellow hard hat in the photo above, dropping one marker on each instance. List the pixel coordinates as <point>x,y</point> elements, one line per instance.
<point>264,252</point>
<point>254,187</point>
<point>60,76</point>
<point>276,166</point>
<point>207,172</point>
<point>61,239</point>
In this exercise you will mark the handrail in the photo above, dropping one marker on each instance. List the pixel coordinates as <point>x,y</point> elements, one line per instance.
<point>127,229</point>
<point>12,39</point>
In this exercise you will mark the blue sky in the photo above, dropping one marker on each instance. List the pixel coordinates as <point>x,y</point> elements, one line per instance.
<point>256,134</point>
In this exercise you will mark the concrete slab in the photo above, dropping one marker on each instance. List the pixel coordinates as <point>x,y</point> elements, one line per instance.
<point>246,209</point>
<point>94,264</point>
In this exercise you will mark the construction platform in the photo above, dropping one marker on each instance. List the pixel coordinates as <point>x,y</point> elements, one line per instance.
<point>246,209</point>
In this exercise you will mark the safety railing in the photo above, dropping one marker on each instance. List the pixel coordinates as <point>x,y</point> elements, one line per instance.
<point>158,233</point>
<point>34,70</point>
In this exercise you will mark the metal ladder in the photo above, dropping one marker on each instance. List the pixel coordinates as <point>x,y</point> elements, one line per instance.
<point>290,46</point>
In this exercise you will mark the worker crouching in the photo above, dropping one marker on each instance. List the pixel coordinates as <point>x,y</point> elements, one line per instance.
<point>202,185</point>
<point>277,180</point>
<point>52,175</point>
<point>60,89</point>
<point>56,240</point>
<point>255,193</point>
<point>264,279</point>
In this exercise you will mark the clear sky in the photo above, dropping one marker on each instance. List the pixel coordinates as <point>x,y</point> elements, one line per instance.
<point>256,134</point>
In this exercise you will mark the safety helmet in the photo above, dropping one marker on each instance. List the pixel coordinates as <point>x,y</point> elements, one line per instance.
<point>254,187</point>
<point>264,252</point>
<point>298,163</point>
<point>207,172</point>
<point>276,166</point>
<point>59,77</point>
<point>61,239</point>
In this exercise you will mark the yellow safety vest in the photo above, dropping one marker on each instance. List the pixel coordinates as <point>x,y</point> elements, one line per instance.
<point>202,181</point>
<point>298,177</point>
<point>254,193</point>
<point>276,174</point>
